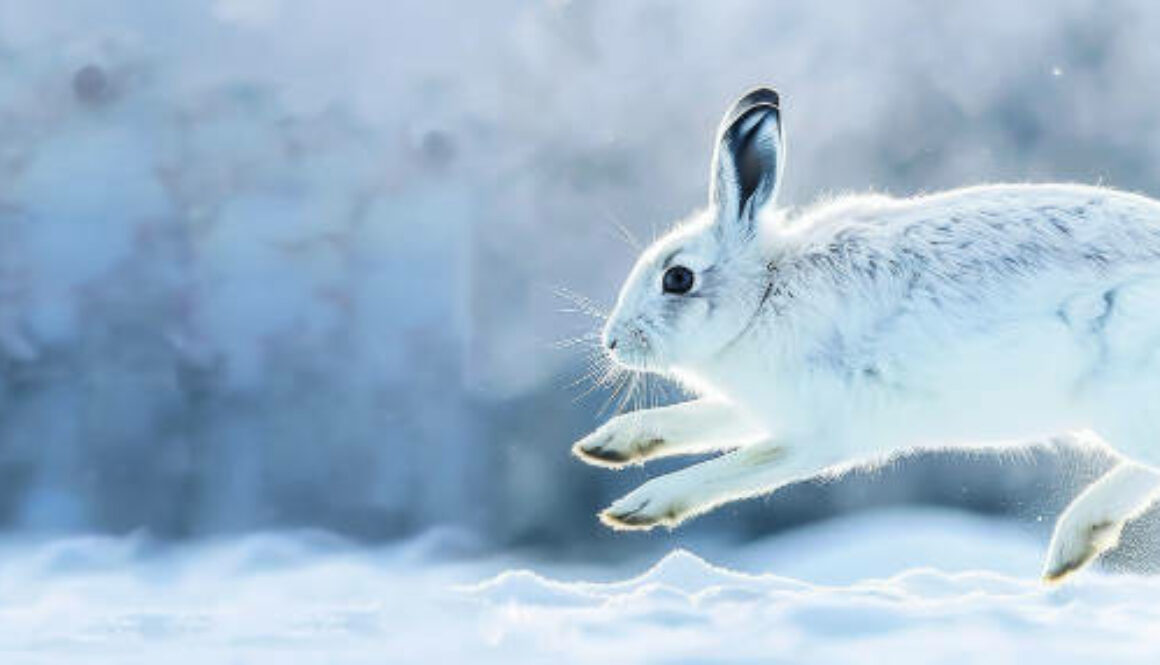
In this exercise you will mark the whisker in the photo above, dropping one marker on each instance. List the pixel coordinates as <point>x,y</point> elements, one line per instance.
<point>623,378</point>
<point>649,393</point>
<point>594,374</point>
<point>596,359</point>
<point>602,371</point>
<point>633,382</point>
<point>582,304</point>
<point>639,382</point>
<point>625,234</point>
<point>590,339</point>
<point>598,378</point>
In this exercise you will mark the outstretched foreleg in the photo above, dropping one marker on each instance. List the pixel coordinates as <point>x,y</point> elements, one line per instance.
<point>697,426</point>
<point>673,498</point>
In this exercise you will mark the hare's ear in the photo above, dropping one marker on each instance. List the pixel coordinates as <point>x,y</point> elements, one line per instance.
<point>748,160</point>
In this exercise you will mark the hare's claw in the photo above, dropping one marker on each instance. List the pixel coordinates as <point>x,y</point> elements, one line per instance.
<point>1074,550</point>
<point>642,510</point>
<point>615,447</point>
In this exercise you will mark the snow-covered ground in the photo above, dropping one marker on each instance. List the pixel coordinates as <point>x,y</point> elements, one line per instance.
<point>893,587</point>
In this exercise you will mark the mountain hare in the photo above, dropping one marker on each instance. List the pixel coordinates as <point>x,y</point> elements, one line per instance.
<point>869,325</point>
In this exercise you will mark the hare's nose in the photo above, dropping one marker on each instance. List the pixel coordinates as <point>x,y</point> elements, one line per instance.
<point>611,336</point>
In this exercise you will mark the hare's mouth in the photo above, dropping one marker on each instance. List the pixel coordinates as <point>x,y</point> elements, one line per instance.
<point>631,348</point>
<point>632,359</point>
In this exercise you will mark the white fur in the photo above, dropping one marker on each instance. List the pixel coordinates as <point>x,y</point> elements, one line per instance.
<point>868,325</point>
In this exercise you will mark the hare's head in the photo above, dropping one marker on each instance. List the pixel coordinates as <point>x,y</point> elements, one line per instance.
<point>696,290</point>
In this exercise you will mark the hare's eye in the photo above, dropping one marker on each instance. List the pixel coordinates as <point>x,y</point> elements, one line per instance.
<point>677,279</point>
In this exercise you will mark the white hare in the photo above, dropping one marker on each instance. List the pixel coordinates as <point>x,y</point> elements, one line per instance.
<point>867,326</point>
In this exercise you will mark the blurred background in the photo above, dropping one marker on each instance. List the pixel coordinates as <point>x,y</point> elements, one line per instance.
<point>280,264</point>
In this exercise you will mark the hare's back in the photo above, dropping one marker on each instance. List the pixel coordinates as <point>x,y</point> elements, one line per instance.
<point>1037,223</point>
<point>999,244</point>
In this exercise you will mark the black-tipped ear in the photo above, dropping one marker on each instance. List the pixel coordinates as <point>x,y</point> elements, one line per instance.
<point>748,159</point>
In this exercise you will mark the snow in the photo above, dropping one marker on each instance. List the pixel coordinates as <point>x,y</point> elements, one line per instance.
<point>911,586</point>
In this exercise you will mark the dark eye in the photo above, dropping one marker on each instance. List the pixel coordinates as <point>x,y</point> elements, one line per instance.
<point>677,279</point>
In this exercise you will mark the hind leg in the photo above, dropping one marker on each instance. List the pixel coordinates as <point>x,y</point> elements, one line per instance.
<point>1091,525</point>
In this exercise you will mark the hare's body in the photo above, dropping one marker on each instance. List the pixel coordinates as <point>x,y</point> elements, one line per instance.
<point>869,326</point>
<point>975,316</point>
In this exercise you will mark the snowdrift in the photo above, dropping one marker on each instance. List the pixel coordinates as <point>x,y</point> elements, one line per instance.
<point>843,592</point>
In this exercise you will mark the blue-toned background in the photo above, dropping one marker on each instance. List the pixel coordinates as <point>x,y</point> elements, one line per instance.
<point>273,264</point>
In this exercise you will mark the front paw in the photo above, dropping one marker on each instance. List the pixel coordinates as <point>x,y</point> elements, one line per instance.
<point>615,446</point>
<point>644,509</point>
